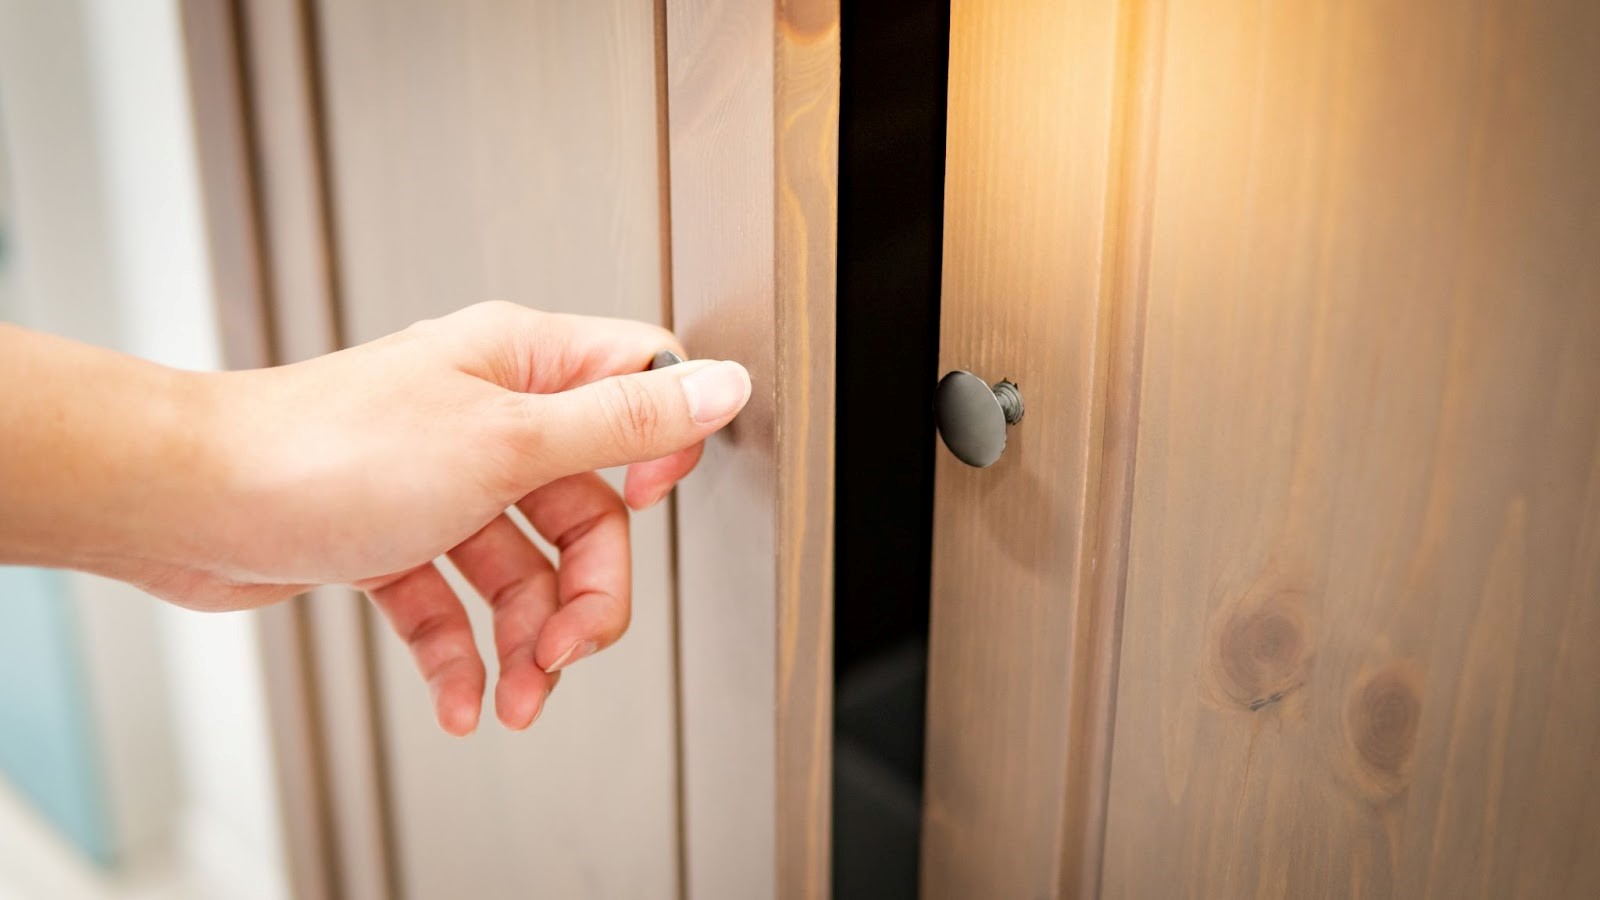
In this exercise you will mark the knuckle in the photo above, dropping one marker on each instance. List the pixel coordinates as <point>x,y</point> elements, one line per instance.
<point>519,442</point>
<point>634,414</point>
<point>423,329</point>
<point>666,339</point>
<point>495,310</point>
<point>610,513</point>
<point>496,316</point>
<point>430,630</point>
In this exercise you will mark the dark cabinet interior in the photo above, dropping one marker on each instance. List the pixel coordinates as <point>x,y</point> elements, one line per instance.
<point>891,190</point>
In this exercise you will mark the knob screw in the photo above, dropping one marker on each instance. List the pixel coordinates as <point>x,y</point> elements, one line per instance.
<point>1010,401</point>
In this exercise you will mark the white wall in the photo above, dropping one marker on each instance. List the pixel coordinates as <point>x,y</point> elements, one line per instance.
<point>112,251</point>
<point>157,236</point>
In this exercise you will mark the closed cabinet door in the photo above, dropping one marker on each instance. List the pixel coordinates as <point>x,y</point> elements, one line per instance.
<point>1287,581</point>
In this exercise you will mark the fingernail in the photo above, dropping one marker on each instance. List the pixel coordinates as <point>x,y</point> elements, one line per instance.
<point>542,704</point>
<point>716,392</point>
<point>660,495</point>
<point>577,651</point>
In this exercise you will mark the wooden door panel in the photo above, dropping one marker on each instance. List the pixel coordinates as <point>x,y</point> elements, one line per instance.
<point>1028,178</point>
<point>1361,631</point>
<point>1289,581</point>
<point>752,94</point>
<point>482,151</point>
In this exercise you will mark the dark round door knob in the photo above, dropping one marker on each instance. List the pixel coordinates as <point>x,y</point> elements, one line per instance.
<point>973,416</point>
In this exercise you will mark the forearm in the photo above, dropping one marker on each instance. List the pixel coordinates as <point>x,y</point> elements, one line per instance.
<point>103,460</point>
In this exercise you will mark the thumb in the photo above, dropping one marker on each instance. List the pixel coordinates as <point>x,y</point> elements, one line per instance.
<point>632,418</point>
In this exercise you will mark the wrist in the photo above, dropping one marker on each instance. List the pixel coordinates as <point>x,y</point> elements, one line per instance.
<point>153,477</point>
<point>114,465</point>
<point>174,515</point>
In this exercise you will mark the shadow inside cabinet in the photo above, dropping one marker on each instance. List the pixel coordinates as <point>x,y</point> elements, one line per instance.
<point>894,63</point>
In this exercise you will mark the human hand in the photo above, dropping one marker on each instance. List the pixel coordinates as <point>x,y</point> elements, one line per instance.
<point>365,465</point>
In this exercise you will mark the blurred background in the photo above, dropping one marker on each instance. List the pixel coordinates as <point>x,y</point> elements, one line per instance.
<point>134,755</point>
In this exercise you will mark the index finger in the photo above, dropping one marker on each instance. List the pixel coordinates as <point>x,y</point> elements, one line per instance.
<point>550,352</point>
<point>583,349</point>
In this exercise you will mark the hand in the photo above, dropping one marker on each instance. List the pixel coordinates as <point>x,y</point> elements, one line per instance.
<point>363,466</point>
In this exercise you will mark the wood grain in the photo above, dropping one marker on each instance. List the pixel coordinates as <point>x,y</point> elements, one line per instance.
<point>486,150</point>
<point>753,119</point>
<point>1108,510</point>
<point>1362,618</point>
<point>1029,174</point>
<point>215,63</point>
<point>806,102</point>
<point>720,123</point>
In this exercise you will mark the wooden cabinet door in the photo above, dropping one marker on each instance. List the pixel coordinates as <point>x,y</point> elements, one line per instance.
<point>1289,581</point>
<point>448,184</point>
<point>370,163</point>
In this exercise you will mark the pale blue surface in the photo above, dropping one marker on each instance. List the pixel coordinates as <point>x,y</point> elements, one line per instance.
<point>46,729</point>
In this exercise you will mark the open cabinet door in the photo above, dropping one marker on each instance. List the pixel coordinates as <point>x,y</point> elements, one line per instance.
<point>1288,581</point>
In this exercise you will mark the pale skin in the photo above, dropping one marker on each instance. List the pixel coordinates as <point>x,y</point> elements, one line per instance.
<point>235,490</point>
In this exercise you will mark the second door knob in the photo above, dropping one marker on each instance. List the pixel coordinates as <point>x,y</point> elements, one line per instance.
<point>973,416</point>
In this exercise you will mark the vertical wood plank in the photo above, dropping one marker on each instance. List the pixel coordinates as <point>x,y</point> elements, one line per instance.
<point>721,126</point>
<point>225,159</point>
<point>807,157</point>
<point>280,66</point>
<point>753,120</point>
<point>1108,511</point>
<point>1361,635</point>
<point>1020,621</point>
